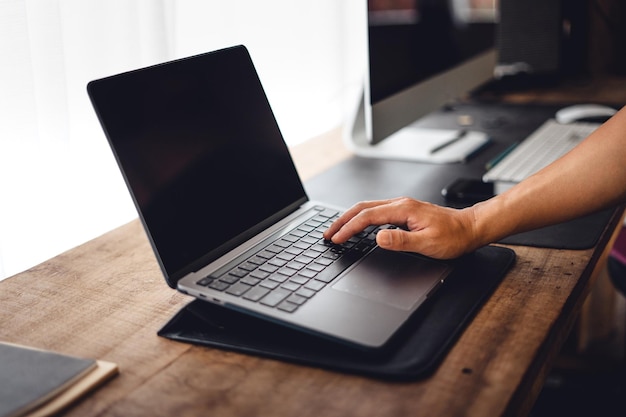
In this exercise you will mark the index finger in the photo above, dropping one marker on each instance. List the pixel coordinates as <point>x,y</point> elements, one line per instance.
<point>355,219</point>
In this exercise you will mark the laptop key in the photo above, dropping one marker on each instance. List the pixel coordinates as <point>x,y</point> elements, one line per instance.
<point>298,279</point>
<point>238,289</point>
<point>273,298</point>
<point>307,273</point>
<point>257,260</point>
<point>219,285</point>
<point>302,245</point>
<point>318,247</point>
<point>309,240</point>
<point>328,213</point>
<point>315,285</point>
<point>265,254</point>
<point>332,254</point>
<point>305,292</point>
<point>229,279</point>
<point>293,251</point>
<point>286,271</point>
<point>283,243</point>
<point>295,265</point>
<point>285,256</point>
<point>205,281</point>
<point>248,266</point>
<point>307,256</point>
<point>316,235</point>
<point>274,248</point>
<point>238,272</point>
<point>287,306</point>
<point>291,286</point>
<point>258,274</point>
<point>250,280</point>
<point>291,238</point>
<point>298,233</point>
<point>278,262</point>
<point>324,261</point>
<point>269,268</point>
<point>268,283</point>
<point>297,299</point>
<point>256,293</point>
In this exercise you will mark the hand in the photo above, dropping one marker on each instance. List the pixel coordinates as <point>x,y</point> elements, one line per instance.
<point>432,230</point>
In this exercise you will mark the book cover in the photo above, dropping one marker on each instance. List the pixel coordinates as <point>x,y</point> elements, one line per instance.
<point>32,379</point>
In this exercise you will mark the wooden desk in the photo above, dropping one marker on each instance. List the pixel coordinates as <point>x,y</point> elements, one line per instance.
<point>106,299</point>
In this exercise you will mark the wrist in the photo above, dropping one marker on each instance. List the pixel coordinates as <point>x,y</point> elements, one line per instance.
<point>487,222</point>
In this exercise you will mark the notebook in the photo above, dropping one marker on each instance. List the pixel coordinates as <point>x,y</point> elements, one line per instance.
<point>227,215</point>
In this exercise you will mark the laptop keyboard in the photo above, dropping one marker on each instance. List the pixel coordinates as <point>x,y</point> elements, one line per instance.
<point>290,270</point>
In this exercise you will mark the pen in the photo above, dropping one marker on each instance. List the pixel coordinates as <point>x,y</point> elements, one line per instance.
<point>500,156</point>
<point>458,137</point>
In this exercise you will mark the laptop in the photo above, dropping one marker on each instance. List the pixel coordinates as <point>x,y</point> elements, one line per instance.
<point>227,215</point>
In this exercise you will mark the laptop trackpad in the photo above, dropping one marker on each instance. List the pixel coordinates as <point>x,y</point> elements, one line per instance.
<point>393,278</point>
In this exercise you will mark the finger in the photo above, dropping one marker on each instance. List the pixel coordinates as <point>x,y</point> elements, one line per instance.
<point>349,215</point>
<point>405,241</point>
<point>421,241</point>
<point>390,239</point>
<point>372,214</point>
<point>399,240</point>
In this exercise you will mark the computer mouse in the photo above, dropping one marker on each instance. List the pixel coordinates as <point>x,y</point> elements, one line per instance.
<point>584,112</point>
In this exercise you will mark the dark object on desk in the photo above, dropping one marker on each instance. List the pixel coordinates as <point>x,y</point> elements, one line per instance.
<point>581,233</point>
<point>416,351</point>
<point>43,381</point>
<point>467,190</point>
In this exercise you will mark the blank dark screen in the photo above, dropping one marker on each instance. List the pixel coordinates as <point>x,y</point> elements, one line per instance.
<point>200,151</point>
<point>405,52</point>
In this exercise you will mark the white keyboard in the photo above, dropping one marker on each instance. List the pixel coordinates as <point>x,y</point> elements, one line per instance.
<point>546,144</point>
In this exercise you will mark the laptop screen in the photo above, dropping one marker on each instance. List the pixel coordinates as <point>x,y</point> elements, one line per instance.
<point>201,152</point>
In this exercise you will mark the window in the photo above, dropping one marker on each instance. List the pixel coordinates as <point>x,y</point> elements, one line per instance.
<point>59,182</point>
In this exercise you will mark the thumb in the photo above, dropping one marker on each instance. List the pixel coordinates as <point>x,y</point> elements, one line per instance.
<point>393,239</point>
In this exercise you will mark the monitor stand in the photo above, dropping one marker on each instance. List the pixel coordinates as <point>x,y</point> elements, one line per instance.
<point>417,144</point>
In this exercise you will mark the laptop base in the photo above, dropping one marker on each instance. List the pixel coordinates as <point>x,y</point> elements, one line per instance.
<point>414,352</point>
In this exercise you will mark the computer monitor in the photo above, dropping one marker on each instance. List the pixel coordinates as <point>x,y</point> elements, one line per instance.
<point>422,55</point>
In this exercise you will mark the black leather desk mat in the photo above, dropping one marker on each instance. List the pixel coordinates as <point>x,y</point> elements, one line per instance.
<point>357,179</point>
<point>414,352</point>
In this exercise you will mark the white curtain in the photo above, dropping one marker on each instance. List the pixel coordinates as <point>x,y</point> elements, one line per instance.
<point>59,184</point>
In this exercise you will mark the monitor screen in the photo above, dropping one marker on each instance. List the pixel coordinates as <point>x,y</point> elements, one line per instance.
<point>411,41</point>
<point>423,54</point>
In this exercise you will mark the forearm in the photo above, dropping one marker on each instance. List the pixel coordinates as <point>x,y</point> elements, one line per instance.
<point>591,177</point>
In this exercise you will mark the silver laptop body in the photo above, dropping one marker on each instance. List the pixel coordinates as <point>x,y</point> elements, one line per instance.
<point>218,195</point>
